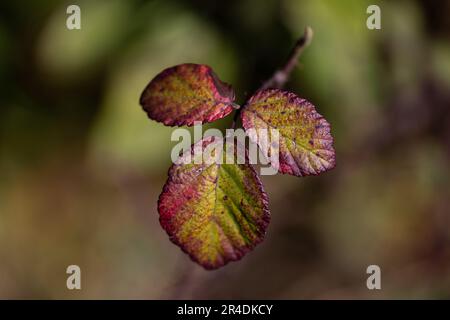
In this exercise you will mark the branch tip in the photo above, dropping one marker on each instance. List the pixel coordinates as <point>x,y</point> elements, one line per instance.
<point>281,76</point>
<point>307,36</point>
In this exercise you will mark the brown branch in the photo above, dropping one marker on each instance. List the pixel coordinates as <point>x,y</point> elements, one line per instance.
<point>281,76</point>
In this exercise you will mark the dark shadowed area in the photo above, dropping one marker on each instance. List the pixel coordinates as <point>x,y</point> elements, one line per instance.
<point>81,165</point>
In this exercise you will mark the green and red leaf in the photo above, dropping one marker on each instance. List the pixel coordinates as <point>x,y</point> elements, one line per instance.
<point>187,93</point>
<point>305,141</point>
<point>215,212</point>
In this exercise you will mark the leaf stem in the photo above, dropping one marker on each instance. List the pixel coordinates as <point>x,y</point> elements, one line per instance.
<point>281,76</point>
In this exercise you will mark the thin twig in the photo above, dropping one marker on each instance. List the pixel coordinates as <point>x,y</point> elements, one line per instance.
<point>281,76</point>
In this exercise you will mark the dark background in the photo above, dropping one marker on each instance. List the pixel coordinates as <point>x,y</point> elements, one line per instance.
<point>81,166</point>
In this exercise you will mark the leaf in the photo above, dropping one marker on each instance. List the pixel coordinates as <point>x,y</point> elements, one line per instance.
<point>215,212</point>
<point>187,93</point>
<point>305,142</point>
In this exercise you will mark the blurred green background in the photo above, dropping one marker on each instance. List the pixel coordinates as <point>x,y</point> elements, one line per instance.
<point>81,166</point>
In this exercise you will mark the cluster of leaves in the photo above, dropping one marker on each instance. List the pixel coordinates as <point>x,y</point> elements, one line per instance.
<point>218,212</point>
